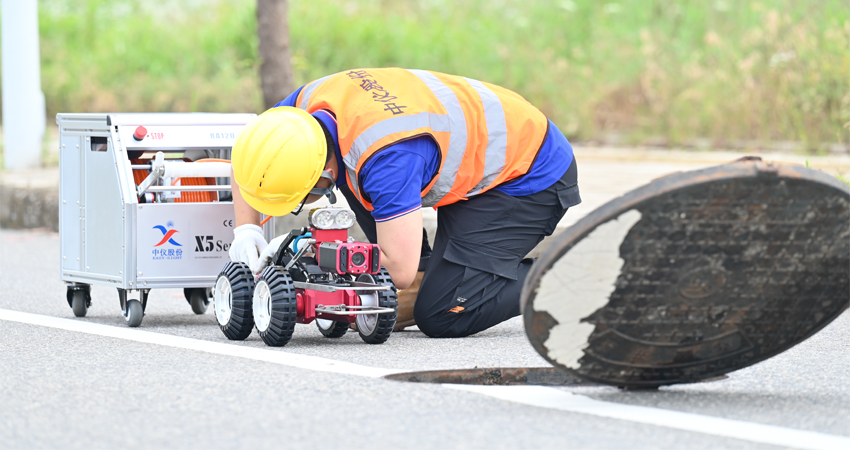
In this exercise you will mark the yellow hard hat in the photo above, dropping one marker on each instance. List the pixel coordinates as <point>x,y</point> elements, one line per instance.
<point>278,158</point>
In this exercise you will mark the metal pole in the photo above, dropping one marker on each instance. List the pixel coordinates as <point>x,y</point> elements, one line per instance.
<point>23,101</point>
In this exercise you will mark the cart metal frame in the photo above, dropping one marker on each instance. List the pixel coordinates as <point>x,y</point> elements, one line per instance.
<point>109,237</point>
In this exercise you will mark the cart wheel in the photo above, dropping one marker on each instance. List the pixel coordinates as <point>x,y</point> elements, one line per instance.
<point>275,306</point>
<point>376,328</point>
<point>78,304</point>
<point>198,299</point>
<point>79,299</point>
<point>134,314</point>
<point>331,328</point>
<point>232,301</point>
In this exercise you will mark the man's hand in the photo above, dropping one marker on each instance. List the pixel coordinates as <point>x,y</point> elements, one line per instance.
<point>401,244</point>
<point>267,254</point>
<point>248,242</point>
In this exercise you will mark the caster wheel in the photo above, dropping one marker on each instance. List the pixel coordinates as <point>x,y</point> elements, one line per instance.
<point>134,314</point>
<point>232,301</point>
<point>275,306</point>
<point>198,298</point>
<point>80,300</point>
<point>331,328</point>
<point>376,328</point>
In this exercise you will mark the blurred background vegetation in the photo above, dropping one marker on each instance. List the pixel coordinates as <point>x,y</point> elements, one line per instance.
<point>713,73</point>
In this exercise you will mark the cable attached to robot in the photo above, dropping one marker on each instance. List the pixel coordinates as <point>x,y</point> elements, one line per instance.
<point>160,168</point>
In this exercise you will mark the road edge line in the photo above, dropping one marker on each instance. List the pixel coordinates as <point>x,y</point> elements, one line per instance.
<point>551,398</point>
<point>148,337</point>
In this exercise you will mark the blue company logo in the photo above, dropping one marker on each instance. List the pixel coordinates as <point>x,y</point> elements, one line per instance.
<point>160,254</point>
<point>167,234</point>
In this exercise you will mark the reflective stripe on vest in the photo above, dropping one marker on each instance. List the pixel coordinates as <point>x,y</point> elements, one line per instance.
<point>457,141</point>
<point>497,135</point>
<point>308,90</point>
<point>461,174</point>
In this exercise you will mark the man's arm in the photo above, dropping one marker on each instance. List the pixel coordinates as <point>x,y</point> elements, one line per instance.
<point>394,180</point>
<point>248,240</point>
<point>401,244</point>
<point>244,213</point>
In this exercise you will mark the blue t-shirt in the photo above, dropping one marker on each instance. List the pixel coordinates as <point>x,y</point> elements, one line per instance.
<point>393,179</point>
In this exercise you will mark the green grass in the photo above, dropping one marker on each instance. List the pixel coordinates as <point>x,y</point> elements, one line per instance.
<point>100,55</point>
<point>638,71</point>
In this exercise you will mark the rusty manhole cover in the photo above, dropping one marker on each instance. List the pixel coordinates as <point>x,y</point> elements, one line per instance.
<point>694,275</point>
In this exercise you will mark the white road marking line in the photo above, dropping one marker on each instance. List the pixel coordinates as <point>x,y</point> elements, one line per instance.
<point>546,397</point>
<point>167,340</point>
<point>539,396</point>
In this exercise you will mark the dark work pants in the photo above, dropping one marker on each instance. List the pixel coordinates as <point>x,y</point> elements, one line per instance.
<point>476,270</point>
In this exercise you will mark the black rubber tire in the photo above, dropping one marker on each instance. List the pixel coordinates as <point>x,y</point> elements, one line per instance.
<point>284,307</point>
<point>134,314</point>
<point>336,330</point>
<point>198,300</point>
<point>80,301</point>
<point>386,299</point>
<point>241,321</point>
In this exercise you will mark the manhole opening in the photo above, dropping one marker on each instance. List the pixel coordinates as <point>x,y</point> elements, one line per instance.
<point>499,376</point>
<point>513,376</point>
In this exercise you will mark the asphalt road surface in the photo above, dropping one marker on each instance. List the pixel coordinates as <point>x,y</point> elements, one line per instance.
<point>177,382</point>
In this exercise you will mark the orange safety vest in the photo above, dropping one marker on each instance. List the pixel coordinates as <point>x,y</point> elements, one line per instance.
<point>486,134</point>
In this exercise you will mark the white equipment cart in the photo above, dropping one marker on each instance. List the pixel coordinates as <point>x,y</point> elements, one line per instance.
<point>145,202</point>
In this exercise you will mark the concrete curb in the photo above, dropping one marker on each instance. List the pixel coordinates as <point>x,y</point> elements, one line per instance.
<point>29,208</point>
<point>30,199</point>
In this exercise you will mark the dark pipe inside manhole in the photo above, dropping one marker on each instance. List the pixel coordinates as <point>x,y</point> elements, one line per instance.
<point>499,376</point>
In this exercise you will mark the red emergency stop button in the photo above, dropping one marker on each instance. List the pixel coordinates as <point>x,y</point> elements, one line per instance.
<point>140,133</point>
